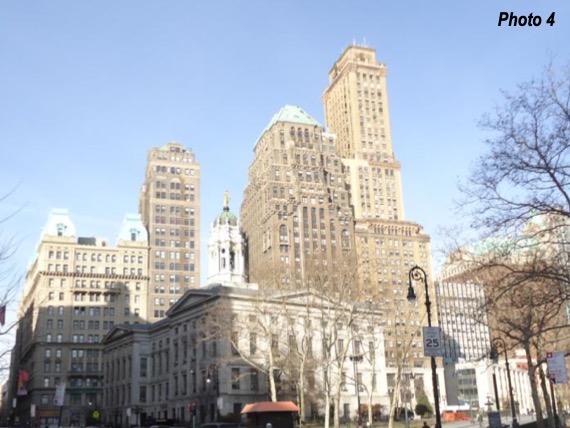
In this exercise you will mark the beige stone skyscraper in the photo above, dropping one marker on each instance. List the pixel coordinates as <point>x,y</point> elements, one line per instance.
<point>295,211</point>
<point>170,209</point>
<point>356,110</point>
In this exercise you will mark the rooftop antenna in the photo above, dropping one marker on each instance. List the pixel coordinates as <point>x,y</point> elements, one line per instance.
<point>364,42</point>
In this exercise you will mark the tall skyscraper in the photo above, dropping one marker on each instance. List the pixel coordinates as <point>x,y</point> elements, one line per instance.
<point>170,208</point>
<point>77,289</point>
<point>387,246</point>
<point>295,210</point>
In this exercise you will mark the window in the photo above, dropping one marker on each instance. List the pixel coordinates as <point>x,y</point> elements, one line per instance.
<point>252,343</point>
<point>235,378</point>
<point>254,379</point>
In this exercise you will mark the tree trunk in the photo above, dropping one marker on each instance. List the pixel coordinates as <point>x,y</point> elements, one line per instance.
<point>327,410</point>
<point>395,398</point>
<point>370,416</point>
<point>544,384</point>
<point>336,420</point>
<point>534,388</point>
<point>272,388</point>
<point>301,394</point>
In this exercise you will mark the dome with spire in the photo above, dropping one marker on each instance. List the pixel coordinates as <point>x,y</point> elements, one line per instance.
<point>226,217</point>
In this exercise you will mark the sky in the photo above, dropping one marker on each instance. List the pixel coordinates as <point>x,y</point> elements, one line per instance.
<point>88,87</point>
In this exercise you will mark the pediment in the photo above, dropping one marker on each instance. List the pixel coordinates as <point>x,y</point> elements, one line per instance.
<point>117,333</point>
<point>191,299</point>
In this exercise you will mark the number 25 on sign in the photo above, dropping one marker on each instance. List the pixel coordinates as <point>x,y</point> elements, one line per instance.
<point>432,342</point>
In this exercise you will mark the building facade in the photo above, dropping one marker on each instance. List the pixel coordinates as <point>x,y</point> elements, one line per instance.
<point>76,290</point>
<point>387,246</point>
<point>295,213</point>
<point>170,209</point>
<point>225,345</point>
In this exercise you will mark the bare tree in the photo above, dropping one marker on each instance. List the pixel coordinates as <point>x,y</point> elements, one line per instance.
<point>520,188</point>
<point>10,279</point>
<point>526,171</point>
<point>523,310</point>
<point>251,331</point>
<point>518,199</point>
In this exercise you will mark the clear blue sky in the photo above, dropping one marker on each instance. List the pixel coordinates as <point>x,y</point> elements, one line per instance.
<point>87,87</point>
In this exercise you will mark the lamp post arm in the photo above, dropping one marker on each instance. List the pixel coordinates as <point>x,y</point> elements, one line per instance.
<point>418,274</point>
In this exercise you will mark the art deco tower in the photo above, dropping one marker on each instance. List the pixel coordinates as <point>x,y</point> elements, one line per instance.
<point>295,210</point>
<point>356,110</point>
<point>170,208</point>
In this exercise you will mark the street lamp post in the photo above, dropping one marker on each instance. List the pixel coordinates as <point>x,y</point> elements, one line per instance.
<point>496,391</point>
<point>214,373</point>
<point>495,343</point>
<point>355,360</point>
<point>418,274</point>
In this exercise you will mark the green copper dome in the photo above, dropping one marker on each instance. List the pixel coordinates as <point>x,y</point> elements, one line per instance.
<point>226,217</point>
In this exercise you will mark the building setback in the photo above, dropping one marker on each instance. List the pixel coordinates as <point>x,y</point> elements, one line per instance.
<point>170,209</point>
<point>315,199</point>
<point>387,246</point>
<point>76,290</point>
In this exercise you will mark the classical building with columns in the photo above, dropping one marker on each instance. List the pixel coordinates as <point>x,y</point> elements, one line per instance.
<point>211,351</point>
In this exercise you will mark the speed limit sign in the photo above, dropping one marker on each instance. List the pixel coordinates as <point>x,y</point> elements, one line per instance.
<point>433,346</point>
